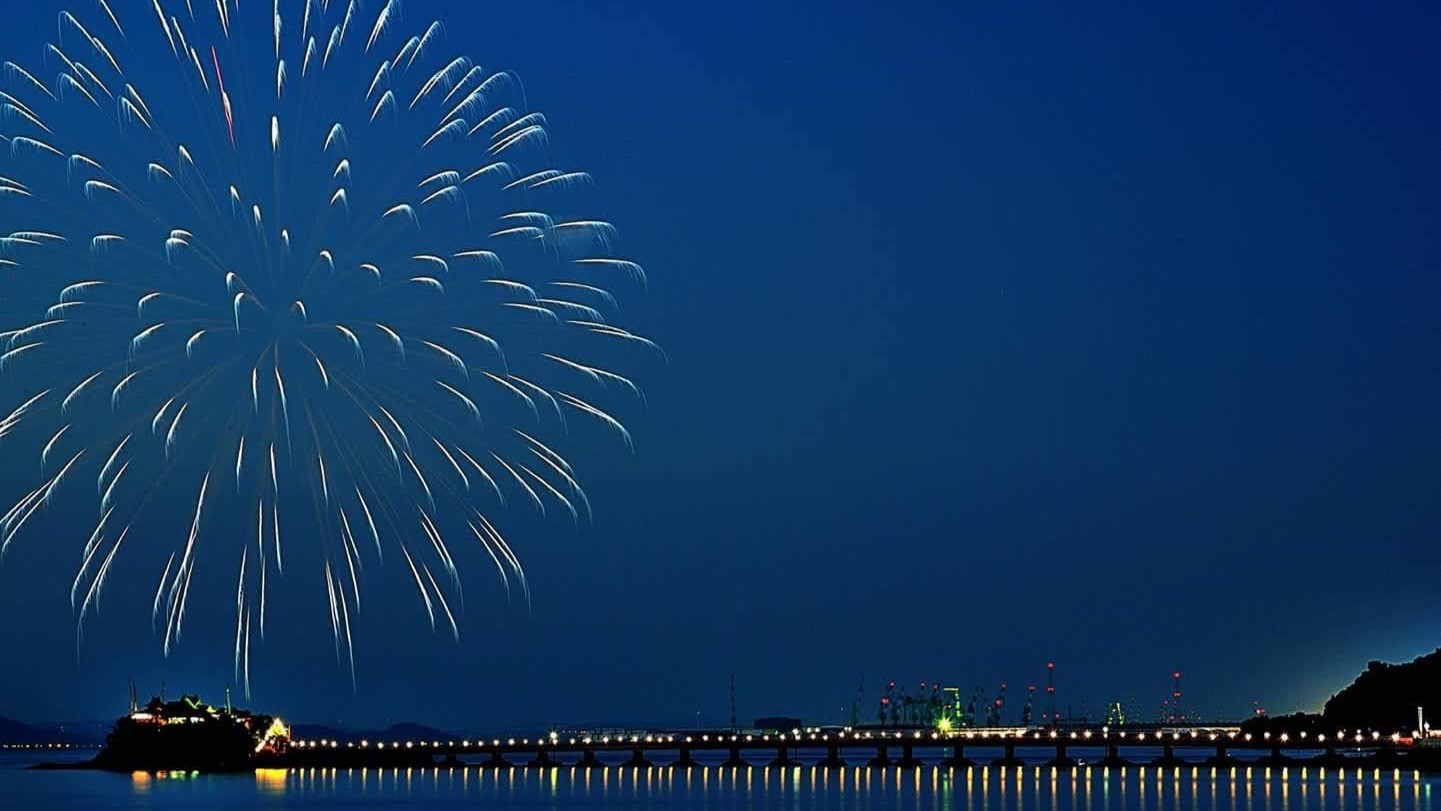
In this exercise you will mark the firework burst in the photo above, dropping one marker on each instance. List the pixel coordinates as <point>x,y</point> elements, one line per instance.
<point>294,258</point>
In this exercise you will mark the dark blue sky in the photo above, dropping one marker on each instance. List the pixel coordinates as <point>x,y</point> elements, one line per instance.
<point>999,334</point>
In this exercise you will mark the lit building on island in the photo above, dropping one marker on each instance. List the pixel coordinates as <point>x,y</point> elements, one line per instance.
<point>190,734</point>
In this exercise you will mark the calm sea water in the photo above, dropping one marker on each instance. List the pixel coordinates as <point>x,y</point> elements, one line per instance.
<point>1037,787</point>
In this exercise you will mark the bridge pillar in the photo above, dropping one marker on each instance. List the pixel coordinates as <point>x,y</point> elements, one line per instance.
<point>451,760</point>
<point>882,760</point>
<point>1274,758</point>
<point>734,759</point>
<point>833,758</point>
<point>637,759</point>
<point>1387,756</point>
<point>1062,760</point>
<point>541,761</point>
<point>958,759</point>
<point>908,757</point>
<point>783,758</point>
<point>1330,759</point>
<point>588,760</point>
<point>496,761</point>
<point>1222,759</point>
<point>685,761</point>
<point>1168,759</point>
<point>1113,759</point>
<point>1009,758</point>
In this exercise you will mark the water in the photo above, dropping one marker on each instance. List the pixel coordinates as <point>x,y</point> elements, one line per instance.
<point>1032,787</point>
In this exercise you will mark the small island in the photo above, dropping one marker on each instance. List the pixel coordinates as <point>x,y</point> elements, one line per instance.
<point>190,735</point>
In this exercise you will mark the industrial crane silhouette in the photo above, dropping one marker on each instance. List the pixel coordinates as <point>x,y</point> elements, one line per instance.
<point>993,715</point>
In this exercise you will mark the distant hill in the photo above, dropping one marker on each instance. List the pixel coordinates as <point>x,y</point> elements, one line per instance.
<point>12,731</point>
<point>85,733</point>
<point>1385,696</point>
<point>397,732</point>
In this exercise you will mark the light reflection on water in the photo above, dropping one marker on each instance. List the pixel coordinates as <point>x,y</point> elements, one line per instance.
<point>1028,787</point>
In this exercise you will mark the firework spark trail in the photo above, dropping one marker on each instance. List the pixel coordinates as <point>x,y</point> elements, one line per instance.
<point>330,298</point>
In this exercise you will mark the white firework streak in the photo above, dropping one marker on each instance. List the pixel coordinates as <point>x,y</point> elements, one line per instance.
<point>349,295</point>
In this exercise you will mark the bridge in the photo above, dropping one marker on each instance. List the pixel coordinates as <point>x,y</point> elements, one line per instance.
<point>1215,747</point>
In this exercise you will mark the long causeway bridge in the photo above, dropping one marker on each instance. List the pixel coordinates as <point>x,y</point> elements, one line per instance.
<point>1217,747</point>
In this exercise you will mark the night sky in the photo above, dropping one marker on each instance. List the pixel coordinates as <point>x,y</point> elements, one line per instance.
<point>999,333</point>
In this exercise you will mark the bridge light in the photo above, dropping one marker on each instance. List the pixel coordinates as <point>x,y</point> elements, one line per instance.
<point>1248,736</point>
<point>1285,737</point>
